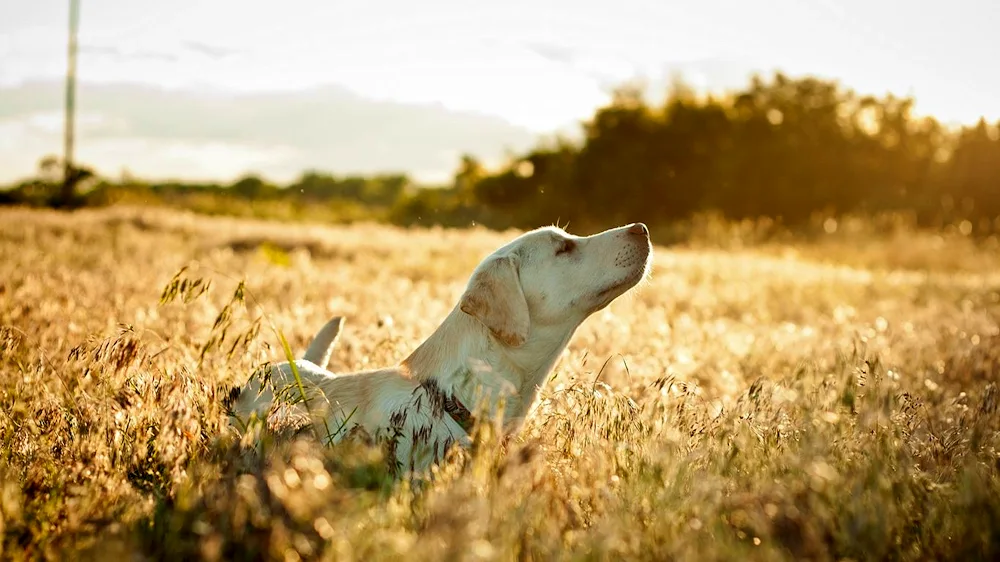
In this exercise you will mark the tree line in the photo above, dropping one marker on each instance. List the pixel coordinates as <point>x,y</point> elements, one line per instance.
<point>788,149</point>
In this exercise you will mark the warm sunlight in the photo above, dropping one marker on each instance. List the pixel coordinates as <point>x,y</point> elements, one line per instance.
<point>424,280</point>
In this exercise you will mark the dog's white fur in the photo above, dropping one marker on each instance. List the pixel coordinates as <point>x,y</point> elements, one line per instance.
<point>493,352</point>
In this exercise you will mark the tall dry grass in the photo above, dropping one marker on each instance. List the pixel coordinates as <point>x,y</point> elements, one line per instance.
<point>755,404</point>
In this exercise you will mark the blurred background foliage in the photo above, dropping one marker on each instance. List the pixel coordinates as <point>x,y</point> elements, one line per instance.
<point>792,152</point>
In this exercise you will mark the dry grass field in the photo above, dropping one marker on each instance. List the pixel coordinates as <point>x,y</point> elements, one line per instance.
<point>829,401</point>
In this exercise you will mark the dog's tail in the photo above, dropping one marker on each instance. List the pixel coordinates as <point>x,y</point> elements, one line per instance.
<point>322,344</point>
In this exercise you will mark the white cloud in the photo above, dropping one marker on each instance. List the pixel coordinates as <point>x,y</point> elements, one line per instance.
<point>160,133</point>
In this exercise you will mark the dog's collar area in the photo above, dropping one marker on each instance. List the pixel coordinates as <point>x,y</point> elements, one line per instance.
<point>447,403</point>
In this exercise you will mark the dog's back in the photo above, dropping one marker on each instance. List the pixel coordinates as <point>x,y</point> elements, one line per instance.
<point>384,406</point>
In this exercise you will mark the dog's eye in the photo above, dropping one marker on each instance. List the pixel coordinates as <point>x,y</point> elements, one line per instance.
<point>565,247</point>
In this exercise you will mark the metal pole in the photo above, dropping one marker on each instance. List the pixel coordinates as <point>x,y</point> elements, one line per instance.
<point>69,175</point>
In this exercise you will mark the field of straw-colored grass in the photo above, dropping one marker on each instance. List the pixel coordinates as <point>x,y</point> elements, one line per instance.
<point>812,402</point>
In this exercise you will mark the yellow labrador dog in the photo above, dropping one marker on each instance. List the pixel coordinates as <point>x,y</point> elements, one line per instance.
<point>490,355</point>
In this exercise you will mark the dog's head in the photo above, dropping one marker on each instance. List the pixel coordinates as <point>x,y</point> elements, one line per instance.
<point>548,277</point>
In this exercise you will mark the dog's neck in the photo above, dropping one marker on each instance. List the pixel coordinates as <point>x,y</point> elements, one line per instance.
<point>464,359</point>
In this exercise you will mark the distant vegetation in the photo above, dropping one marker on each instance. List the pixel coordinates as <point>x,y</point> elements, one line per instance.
<point>793,151</point>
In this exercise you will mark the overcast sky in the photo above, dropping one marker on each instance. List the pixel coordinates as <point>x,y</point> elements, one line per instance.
<point>214,88</point>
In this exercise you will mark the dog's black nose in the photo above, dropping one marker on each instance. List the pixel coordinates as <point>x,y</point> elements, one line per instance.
<point>639,229</point>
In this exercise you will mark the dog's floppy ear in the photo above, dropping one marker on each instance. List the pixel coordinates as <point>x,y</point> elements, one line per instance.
<point>494,297</point>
